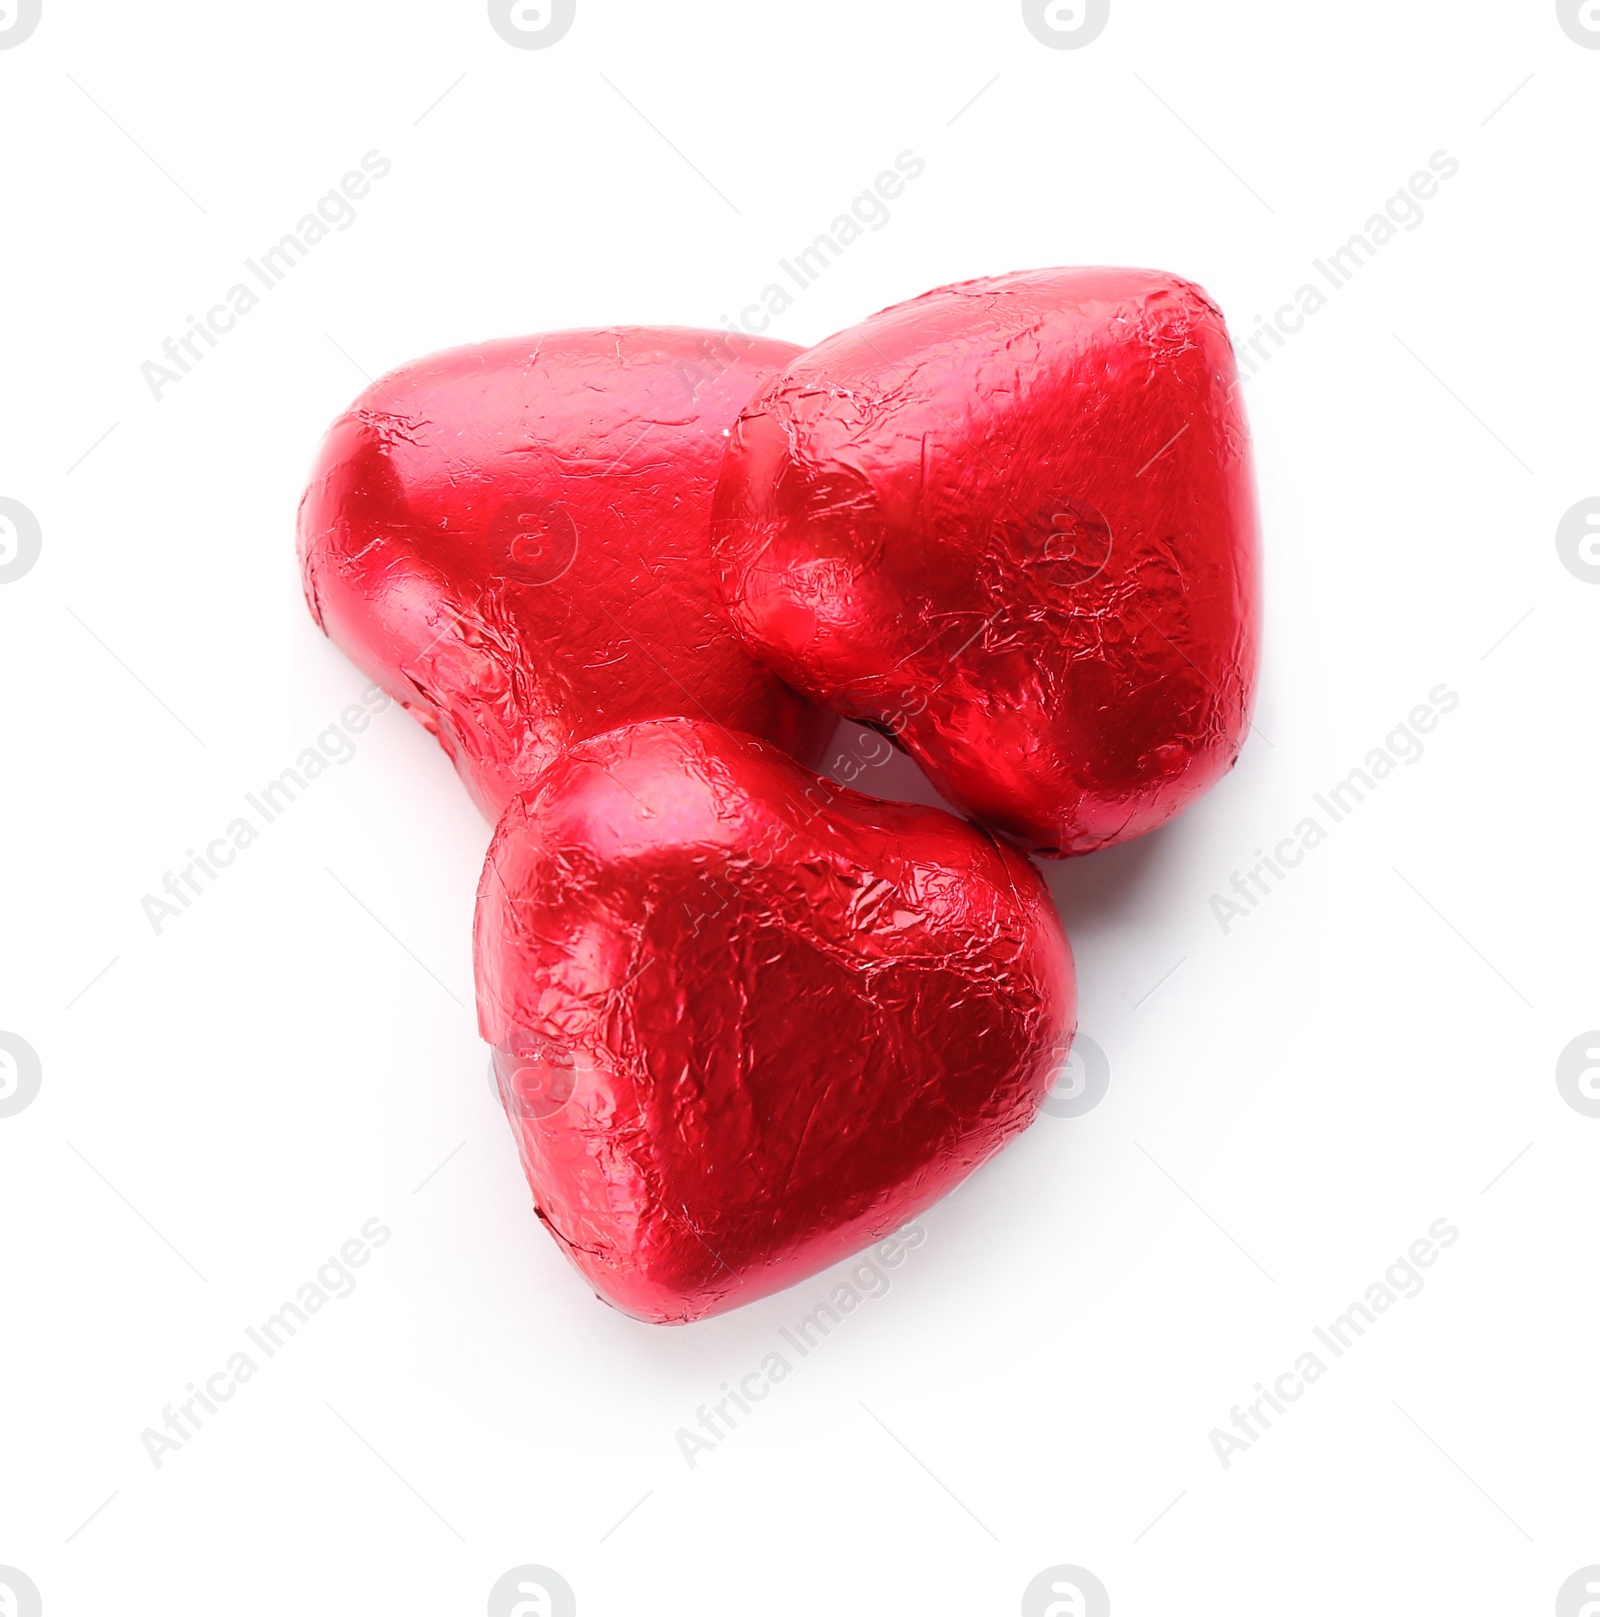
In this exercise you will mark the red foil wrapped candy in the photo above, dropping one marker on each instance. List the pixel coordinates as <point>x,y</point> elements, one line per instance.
<point>513,540</point>
<point>1013,522</point>
<point>747,1021</point>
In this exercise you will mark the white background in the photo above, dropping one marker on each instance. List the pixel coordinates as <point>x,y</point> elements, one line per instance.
<point>1363,1054</point>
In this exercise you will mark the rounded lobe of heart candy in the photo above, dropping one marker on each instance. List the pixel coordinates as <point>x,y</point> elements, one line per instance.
<point>746,1021</point>
<point>513,540</point>
<point>1013,522</point>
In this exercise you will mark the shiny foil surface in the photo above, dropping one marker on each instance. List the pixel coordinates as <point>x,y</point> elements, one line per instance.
<point>746,1021</point>
<point>512,539</point>
<point>1013,523</point>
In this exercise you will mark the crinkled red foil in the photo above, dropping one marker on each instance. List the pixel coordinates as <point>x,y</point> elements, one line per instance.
<point>1013,522</point>
<point>747,1021</point>
<point>512,539</point>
